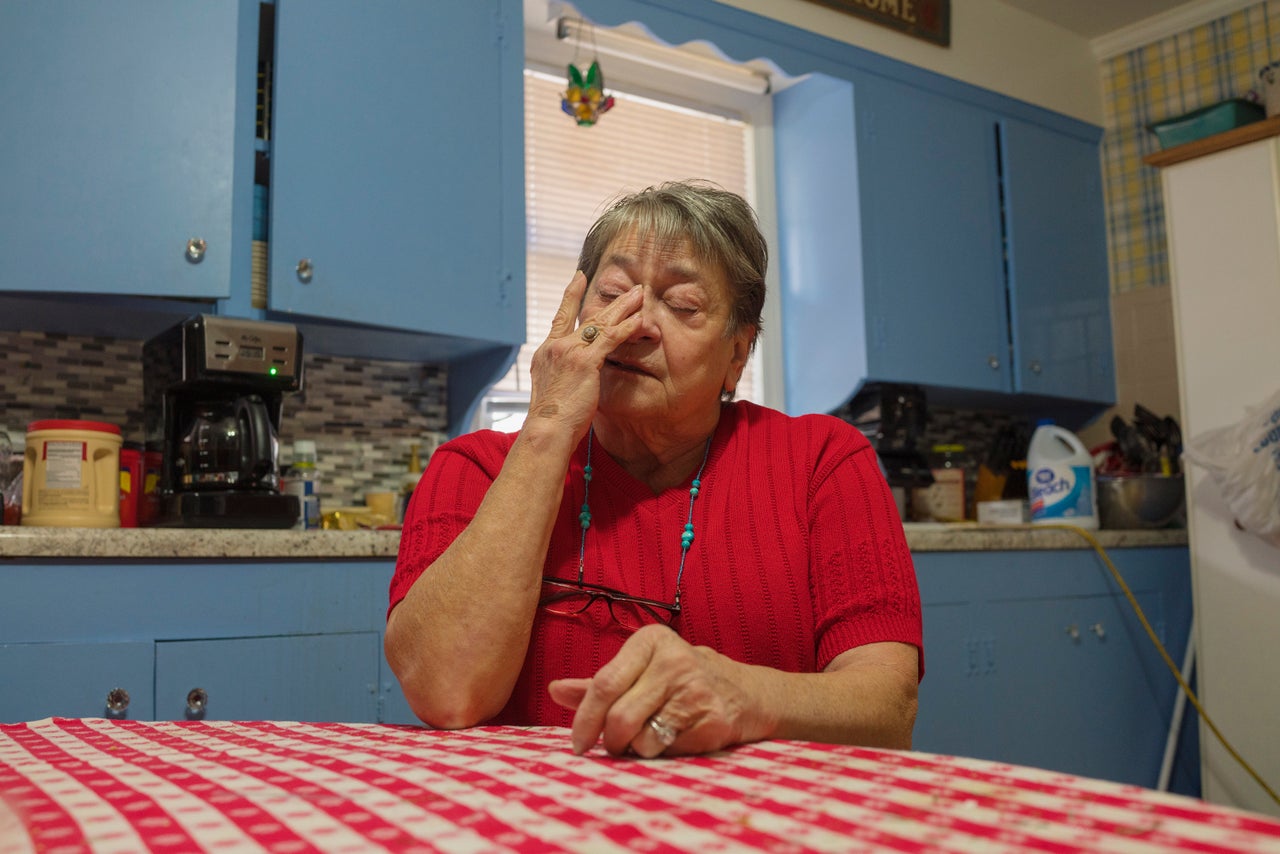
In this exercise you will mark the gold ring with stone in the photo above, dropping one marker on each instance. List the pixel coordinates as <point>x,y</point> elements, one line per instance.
<point>589,333</point>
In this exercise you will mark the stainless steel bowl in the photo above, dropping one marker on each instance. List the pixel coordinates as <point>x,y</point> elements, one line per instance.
<point>1133,501</point>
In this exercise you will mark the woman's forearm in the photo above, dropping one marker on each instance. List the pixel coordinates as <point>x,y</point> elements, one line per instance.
<point>867,696</point>
<point>458,639</point>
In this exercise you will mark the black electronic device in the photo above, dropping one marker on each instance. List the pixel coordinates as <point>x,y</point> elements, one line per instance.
<point>893,417</point>
<point>214,390</point>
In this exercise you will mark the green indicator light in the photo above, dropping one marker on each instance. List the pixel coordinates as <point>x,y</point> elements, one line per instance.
<point>273,370</point>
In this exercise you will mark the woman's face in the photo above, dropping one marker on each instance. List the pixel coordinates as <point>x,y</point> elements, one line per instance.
<point>679,359</point>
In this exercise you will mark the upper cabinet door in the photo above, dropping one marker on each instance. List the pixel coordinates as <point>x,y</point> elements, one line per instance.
<point>397,165</point>
<point>1058,276</point>
<point>935,303</point>
<point>117,145</point>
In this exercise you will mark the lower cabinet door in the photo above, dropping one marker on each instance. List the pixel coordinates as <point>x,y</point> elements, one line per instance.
<point>76,680</point>
<point>293,678</point>
<point>1075,692</point>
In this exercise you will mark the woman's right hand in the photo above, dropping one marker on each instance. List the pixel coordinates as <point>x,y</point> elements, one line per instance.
<point>566,367</point>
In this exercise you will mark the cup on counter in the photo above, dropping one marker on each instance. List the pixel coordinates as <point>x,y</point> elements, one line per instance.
<point>382,504</point>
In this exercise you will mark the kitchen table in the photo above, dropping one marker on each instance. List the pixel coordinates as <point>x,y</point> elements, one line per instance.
<point>91,784</point>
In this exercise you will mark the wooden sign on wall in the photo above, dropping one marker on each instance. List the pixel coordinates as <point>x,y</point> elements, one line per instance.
<point>925,19</point>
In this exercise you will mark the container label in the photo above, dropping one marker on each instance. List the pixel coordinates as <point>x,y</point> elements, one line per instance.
<point>1061,492</point>
<point>64,465</point>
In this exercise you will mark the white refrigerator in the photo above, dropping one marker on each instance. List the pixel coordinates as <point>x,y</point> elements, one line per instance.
<point>1223,224</point>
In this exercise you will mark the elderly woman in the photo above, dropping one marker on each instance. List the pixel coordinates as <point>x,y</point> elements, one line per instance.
<point>647,561</point>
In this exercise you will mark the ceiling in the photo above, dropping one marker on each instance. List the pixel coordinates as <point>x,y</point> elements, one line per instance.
<point>1093,18</point>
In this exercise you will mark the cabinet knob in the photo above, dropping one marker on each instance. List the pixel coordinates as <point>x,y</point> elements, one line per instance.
<point>305,270</point>
<point>993,362</point>
<point>1035,367</point>
<point>117,702</point>
<point>1098,630</point>
<point>197,703</point>
<point>1073,632</point>
<point>195,250</point>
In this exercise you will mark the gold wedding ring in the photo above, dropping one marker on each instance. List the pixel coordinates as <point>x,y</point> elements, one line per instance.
<point>589,333</point>
<point>665,732</point>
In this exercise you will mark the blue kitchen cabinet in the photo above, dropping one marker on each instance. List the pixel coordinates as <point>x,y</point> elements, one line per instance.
<point>120,145</point>
<point>290,640</point>
<point>396,166</point>
<point>1037,658</point>
<point>323,677</point>
<point>1060,300</point>
<point>930,239</point>
<point>76,680</point>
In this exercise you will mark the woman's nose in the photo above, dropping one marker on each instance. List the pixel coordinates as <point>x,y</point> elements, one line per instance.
<point>648,312</point>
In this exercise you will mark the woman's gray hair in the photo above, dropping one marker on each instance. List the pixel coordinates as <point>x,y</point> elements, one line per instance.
<point>719,224</point>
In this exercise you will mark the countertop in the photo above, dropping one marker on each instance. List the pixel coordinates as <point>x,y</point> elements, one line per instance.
<point>240,544</point>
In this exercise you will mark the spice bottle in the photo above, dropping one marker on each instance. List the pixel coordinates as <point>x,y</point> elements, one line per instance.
<point>409,480</point>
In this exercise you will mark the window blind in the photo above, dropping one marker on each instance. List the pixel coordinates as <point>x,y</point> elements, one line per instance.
<point>573,173</point>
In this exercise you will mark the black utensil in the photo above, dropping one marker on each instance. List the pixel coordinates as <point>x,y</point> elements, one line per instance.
<point>1131,445</point>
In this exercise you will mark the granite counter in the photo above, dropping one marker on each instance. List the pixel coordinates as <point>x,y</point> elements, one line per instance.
<point>117,544</point>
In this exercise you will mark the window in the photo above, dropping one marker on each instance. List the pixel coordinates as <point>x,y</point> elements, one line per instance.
<point>573,173</point>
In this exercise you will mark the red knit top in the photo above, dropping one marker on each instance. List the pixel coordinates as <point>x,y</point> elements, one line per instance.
<point>798,554</point>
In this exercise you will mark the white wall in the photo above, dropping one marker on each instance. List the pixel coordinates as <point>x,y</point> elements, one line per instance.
<point>992,46</point>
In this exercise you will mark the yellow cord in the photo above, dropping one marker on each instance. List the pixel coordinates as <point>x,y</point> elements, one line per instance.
<point>1177,674</point>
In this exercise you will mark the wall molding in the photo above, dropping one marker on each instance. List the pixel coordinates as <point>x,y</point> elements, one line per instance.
<point>1164,25</point>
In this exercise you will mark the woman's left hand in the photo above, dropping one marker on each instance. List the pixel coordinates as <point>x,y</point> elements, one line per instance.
<point>659,682</point>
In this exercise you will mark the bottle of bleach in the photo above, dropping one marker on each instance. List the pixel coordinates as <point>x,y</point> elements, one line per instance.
<point>1060,481</point>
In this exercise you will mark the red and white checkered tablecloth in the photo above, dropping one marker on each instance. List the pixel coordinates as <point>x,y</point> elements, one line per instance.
<point>74,785</point>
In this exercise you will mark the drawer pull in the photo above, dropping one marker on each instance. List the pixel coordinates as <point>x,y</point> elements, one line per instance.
<point>195,250</point>
<point>197,703</point>
<point>117,702</point>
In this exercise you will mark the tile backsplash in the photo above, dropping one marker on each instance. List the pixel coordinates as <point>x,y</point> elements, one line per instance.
<point>363,415</point>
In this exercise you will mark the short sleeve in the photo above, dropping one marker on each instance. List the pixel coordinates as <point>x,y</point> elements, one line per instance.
<point>863,578</point>
<point>456,480</point>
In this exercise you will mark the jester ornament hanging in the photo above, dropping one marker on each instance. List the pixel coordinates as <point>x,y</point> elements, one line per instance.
<point>584,99</point>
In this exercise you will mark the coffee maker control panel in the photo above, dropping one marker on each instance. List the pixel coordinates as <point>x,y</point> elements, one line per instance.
<point>263,349</point>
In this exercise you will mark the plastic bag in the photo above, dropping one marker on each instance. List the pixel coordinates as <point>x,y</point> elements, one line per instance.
<point>1244,461</point>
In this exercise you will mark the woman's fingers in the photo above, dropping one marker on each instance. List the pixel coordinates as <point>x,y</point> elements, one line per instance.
<point>659,695</point>
<point>567,314</point>
<point>568,692</point>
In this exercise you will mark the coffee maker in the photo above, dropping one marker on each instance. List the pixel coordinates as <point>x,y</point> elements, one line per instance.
<point>214,391</point>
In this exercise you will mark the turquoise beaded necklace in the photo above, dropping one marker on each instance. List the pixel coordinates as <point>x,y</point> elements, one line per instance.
<point>686,536</point>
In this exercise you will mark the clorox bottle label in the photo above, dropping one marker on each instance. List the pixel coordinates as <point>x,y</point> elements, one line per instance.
<point>1060,478</point>
<point>1061,492</point>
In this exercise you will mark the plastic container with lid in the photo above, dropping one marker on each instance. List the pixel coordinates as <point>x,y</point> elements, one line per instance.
<point>71,474</point>
<point>1060,479</point>
<point>949,498</point>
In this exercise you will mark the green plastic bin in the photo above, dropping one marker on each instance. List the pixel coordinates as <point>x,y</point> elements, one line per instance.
<point>1206,121</point>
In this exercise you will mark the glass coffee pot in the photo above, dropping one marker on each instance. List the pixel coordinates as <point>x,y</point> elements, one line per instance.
<point>228,444</point>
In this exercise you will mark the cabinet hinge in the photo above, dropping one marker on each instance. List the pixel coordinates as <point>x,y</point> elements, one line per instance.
<point>499,25</point>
